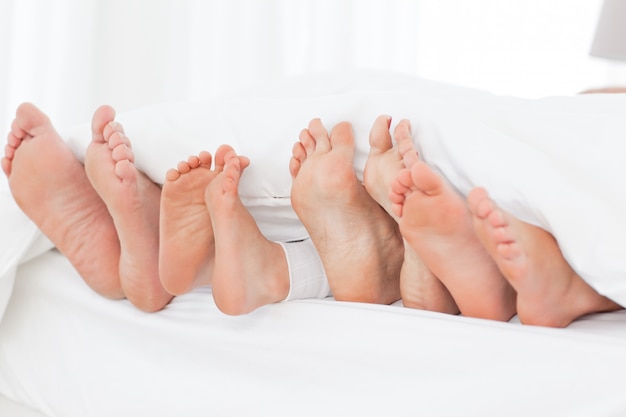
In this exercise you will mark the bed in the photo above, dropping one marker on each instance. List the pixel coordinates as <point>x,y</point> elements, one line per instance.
<point>65,351</point>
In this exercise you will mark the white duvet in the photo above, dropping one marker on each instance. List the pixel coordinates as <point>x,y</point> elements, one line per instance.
<point>555,162</point>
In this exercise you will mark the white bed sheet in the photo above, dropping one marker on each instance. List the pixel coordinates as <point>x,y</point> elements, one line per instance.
<point>70,353</point>
<point>10,408</point>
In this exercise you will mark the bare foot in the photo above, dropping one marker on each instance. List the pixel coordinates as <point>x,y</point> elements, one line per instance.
<point>419,287</point>
<point>383,163</point>
<point>250,271</point>
<point>358,242</point>
<point>49,184</point>
<point>187,247</point>
<point>549,292</point>
<point>438,226</point>
<point>133,202</point>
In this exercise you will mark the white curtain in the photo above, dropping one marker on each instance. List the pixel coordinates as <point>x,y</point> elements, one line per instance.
<point>69,56</point>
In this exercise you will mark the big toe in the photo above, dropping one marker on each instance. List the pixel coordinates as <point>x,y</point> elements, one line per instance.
<point>28,120</point>
<point>101,117</point>
<point>342,138</point>
<point>380,138</point>
<point>319,135</point>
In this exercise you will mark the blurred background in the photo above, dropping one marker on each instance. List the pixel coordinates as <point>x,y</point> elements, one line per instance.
<point>69,56</point>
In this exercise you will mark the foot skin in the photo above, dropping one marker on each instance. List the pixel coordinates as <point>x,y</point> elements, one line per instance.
<point>133,202</point>
<point>49,184</point>
<point>436,223</point>
<point>358,242</point>
<point>383,163</point>
<point>549,292</point>
<point>187,245</point>
<point>250,271</point>
<point>419,287</point>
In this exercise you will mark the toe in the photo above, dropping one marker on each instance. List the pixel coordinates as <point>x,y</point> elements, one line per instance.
<point>183,167</point>
<point>220,156</point>
<point>380,138</point>
<point>342,137</point>
<point>13,140</point>
<point>122,152</point>
<point>307,143</point>
<point>112,128</point>
<point>320,135</point>
<point>294,166</point>
<point>28,119</point>
<point>475,200</point>
<point>205,159</point>
<point>125,170</point>
<point>116,139</point>
<point>172,174</point>
<point>9,151</point>
<point>193,161</point>
<point>404,138</point>
<point>494,216</point>
<point>6,166</point>
<point>102,116</point>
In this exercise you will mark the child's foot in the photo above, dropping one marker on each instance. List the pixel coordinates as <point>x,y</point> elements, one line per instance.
<point>50,186</point>
<point>250,271</point>
<point>187,250</point>
<point>549,292</point>
<point>358,242</point>
<point>438,226</point>
<point>419,287</point>
<point>133,202</point>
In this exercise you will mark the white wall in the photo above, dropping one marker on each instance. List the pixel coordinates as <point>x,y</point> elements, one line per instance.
<point>529,48</point>
<point>68,56</point>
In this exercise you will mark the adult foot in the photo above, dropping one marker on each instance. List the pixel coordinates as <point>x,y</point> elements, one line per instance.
<point>187,246</point>
<point>249,271</point>
<point>49,184</point>
<point>358,242</point>
<point>383,162</point>
<point>438,226</point>
<point>133,202</point>
<point>419,287</point>
<point>549,292</point>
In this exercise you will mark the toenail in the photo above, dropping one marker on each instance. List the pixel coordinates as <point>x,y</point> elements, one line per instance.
<point>113,124</point>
